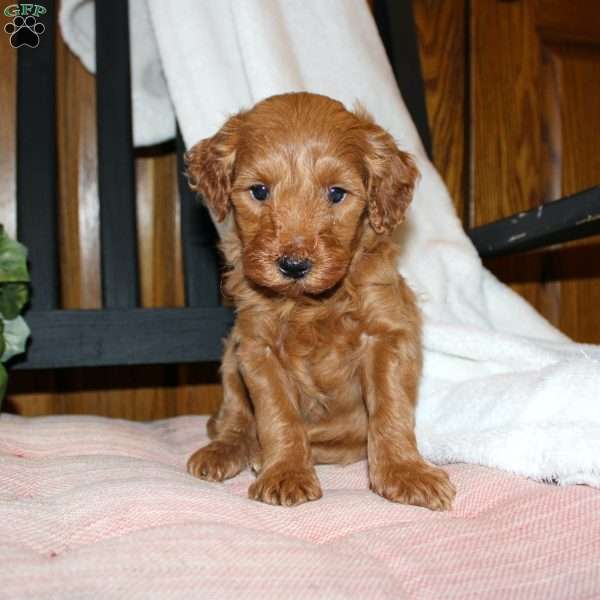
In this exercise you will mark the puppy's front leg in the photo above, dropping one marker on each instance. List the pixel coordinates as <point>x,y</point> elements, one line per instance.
<point>232,430</point>
<point>396,469</point>
<point>287,476</point>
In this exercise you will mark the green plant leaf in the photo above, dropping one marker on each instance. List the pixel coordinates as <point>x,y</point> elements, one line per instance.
<point>13,296</point>
<point>14,293</point>
<point>3,381</point>
<point>15,336</point>
<point>13,260</point>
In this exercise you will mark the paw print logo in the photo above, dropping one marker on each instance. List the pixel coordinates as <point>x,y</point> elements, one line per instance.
<point>24,31</point>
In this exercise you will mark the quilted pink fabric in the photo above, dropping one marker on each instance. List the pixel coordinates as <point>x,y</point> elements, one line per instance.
<point>99,508</point>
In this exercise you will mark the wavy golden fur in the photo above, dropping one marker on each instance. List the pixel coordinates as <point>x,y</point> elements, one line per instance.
<point>323,363</point>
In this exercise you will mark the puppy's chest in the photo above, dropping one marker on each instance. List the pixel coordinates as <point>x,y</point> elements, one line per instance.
<point>323,356</point>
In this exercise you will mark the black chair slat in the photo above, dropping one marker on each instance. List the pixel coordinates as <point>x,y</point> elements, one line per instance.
<point>397,28</point>
<point>560,221</point>
<point>116,175</point>
<point>37,212</point>
<point>199,243</point>
<point>105,337</point>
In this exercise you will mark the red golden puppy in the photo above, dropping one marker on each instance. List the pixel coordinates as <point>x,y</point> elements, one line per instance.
<point>323,363</point>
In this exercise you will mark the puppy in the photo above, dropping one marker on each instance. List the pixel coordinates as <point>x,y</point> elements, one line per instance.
<point>323,362</point>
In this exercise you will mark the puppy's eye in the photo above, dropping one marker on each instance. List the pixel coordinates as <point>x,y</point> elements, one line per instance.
<point>259,192</point>
<point>336,194</point>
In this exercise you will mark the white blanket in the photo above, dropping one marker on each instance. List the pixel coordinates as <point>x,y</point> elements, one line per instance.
<point>501,386</point>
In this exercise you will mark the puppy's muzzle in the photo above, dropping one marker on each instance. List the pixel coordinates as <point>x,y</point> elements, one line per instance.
<point>293,267</point>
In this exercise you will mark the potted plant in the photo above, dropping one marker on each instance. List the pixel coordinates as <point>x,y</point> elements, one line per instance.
<point>14,293</point>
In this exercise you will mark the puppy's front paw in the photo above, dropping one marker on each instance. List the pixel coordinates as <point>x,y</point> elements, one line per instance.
<point>415,483</point>
<point>217,461</point>
<point>281,484</point>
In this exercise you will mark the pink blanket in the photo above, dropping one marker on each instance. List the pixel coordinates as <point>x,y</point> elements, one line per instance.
<point>99,508</point>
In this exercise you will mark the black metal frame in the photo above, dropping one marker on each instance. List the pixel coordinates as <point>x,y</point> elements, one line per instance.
<point>121,333</point>
<point>396,23</point>
<point>556,222</point>
<point>37,214</point>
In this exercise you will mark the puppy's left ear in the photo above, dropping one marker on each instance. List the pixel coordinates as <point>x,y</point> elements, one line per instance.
<point>210,166</point>
<point>392,175</point>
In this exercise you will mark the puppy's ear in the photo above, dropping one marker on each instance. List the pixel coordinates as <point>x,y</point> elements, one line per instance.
<point>209,166</point>
<point>392,176</point>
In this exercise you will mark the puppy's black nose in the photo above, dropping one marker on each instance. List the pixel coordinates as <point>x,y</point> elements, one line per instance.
<point>294,268</point>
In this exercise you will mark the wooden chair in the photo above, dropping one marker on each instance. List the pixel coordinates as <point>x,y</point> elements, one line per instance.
<point>122,333</point>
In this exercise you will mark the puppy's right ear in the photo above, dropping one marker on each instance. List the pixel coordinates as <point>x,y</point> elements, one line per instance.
<point>209,166</point>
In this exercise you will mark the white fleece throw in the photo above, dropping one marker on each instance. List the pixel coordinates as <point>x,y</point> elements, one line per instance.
<point>501,387</point>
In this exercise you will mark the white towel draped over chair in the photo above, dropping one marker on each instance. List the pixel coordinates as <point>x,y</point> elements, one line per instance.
<point>501,386</point>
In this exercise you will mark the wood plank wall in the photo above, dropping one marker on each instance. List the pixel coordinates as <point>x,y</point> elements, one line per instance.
<point>534,103</point>
<point>513,96</point>
<point>442,47</point>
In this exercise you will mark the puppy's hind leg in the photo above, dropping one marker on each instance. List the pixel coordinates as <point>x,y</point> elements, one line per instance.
<point>232,430</point>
